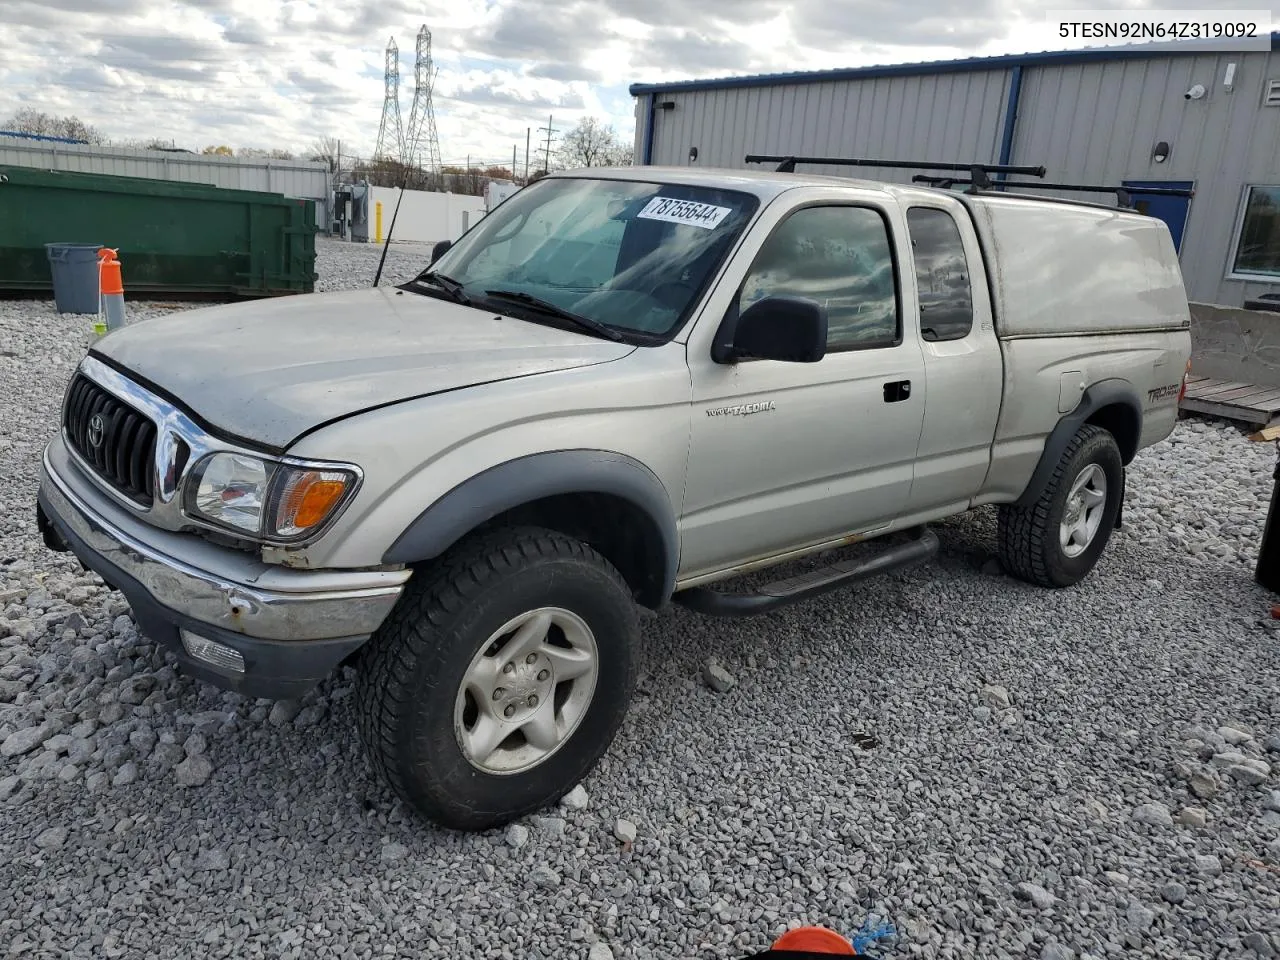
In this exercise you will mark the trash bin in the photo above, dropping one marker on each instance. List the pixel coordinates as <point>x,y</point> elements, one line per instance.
<point>75,276</point>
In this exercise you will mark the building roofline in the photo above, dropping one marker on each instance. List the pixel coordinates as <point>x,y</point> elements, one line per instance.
<point>38,137</point>
<point>1004,61</point>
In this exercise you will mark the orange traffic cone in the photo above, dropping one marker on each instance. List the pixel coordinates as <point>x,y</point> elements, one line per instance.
<point>111,290</point>
<point>814,940</point>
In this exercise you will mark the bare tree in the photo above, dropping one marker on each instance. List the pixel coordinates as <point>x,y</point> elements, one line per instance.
<point>592,143</point>
<point>273,154</point>
<point>325,150</point>
<point>77,129</point>
<point>28,120</point>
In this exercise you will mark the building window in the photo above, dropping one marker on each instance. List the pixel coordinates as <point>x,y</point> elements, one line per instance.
<point>840,257</point>
<point>942,275</point>
<point>1258,239</point>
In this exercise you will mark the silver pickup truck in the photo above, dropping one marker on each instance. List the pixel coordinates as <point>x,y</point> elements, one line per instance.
<point>621,388</point>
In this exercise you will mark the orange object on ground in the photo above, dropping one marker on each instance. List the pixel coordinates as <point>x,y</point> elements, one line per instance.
<point>1275,612</point>
<point>814,940</point>
<point>109,280</point>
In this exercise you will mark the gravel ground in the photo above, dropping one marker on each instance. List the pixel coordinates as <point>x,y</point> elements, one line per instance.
<point>1001,771</point>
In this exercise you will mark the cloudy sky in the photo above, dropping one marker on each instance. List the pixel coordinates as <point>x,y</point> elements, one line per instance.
<point>280,73</point>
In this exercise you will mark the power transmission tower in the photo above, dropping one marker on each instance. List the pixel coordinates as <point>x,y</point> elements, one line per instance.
<point>422,145</point>
<point>546,151</point>
<point>390,135</point>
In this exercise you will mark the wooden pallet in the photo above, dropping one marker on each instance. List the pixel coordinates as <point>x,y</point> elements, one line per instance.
<point>1246,402</point>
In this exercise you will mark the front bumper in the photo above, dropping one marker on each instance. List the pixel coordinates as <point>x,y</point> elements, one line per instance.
<point>290,627</point>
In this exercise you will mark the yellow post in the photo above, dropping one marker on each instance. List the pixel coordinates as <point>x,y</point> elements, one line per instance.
<point>377,216</point>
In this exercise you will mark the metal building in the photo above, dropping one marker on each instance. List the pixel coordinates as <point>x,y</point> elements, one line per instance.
<point>302,179</point>
<point>1106,116</point>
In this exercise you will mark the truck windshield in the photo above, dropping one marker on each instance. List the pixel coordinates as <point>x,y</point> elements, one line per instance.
<point>629,255</point>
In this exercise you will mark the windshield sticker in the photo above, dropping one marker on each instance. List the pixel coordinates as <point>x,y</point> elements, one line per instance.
<point>691,214</point>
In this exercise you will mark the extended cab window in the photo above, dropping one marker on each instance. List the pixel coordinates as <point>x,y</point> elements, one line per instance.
<point>942,275</point>
<point>840,257</point>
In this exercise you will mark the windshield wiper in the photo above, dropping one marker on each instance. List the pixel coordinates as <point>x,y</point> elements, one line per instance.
<point>449,285</point>
<point>549,308</point>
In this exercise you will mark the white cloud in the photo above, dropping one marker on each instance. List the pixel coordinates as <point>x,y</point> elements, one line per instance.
<point>280,73</point>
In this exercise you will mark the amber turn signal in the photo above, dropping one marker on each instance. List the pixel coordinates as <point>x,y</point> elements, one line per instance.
<point>307,499</point>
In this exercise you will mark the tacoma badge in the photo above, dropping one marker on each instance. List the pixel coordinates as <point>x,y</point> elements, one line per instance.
<point>742,409</point>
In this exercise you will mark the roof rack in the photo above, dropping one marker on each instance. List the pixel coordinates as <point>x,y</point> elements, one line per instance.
<point>1124,195</point>
<point>977,171</point>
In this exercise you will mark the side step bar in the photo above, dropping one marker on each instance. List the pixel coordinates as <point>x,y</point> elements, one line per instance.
<point>781,593</point>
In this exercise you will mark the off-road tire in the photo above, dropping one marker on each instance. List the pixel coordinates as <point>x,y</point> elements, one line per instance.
<point>1029,543</point>
<point>411,669</point>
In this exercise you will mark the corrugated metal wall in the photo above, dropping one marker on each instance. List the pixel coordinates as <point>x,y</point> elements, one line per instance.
<point>956,115</point>
<point>1099,123</point>
<point>1091,122</point>
<point>293,178</point>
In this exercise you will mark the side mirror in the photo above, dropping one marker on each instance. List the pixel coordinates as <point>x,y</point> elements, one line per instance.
<point>439,249</point>
<point>791,329</point>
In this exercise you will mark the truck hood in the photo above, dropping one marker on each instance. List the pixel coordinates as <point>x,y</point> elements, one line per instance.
<point>270,370</point>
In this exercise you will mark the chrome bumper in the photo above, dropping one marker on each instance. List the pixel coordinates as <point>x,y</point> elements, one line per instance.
<point>216,585</point>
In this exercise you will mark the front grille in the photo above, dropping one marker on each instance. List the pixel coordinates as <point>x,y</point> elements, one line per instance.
<point>125,452</point>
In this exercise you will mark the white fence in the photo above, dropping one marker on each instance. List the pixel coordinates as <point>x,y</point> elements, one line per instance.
<point>423,217</point>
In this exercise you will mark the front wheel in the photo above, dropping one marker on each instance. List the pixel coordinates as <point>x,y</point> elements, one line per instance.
<point>501,677</point>
<point>1056,541</point>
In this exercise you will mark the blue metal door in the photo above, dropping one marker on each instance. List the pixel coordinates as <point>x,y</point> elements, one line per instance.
<point>1172,210</point>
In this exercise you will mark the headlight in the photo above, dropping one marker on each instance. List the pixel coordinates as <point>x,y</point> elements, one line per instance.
<point>268,499</point>
<point>230,489</point>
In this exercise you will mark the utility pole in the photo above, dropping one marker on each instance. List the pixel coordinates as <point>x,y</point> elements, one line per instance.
<point>513,161</point>
<point>527,133</point>
<point>546,166</point>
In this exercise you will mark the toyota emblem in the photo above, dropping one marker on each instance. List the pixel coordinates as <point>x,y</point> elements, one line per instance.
<point>97,426</point>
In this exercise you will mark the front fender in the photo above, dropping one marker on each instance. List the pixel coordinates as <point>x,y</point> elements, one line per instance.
<point>535,477</point>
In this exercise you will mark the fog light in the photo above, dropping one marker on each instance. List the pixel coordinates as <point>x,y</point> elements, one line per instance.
<point>214,654</point>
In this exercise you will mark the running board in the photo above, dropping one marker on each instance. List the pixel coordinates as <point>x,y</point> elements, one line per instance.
<point>781,593</point>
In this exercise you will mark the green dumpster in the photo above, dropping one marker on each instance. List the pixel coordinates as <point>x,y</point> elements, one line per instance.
<point>176,240</point>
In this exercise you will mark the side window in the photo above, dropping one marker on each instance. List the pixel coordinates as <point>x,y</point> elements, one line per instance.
<point>840,257</point>
<point>942,273</point>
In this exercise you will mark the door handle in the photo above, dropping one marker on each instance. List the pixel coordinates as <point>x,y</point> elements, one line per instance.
<point>897,391</point>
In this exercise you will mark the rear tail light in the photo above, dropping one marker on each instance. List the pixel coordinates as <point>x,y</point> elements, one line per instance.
<point>1182,390</point>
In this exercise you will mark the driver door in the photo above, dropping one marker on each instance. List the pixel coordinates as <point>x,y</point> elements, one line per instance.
<point>788,455</point>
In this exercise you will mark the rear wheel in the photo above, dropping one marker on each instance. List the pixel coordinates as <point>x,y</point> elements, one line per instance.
<point>1057,540</point>
<point>500,678</point>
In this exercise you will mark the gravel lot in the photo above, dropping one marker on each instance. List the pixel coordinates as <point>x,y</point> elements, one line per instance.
<point>1001,771</point>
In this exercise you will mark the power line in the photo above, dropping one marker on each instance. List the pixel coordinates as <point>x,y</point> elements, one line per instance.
<point>390,134</point>
<point>546,151</point>
<point>422,144</point>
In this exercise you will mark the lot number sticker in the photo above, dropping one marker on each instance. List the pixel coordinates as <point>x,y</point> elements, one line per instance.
<point>688,212</point>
